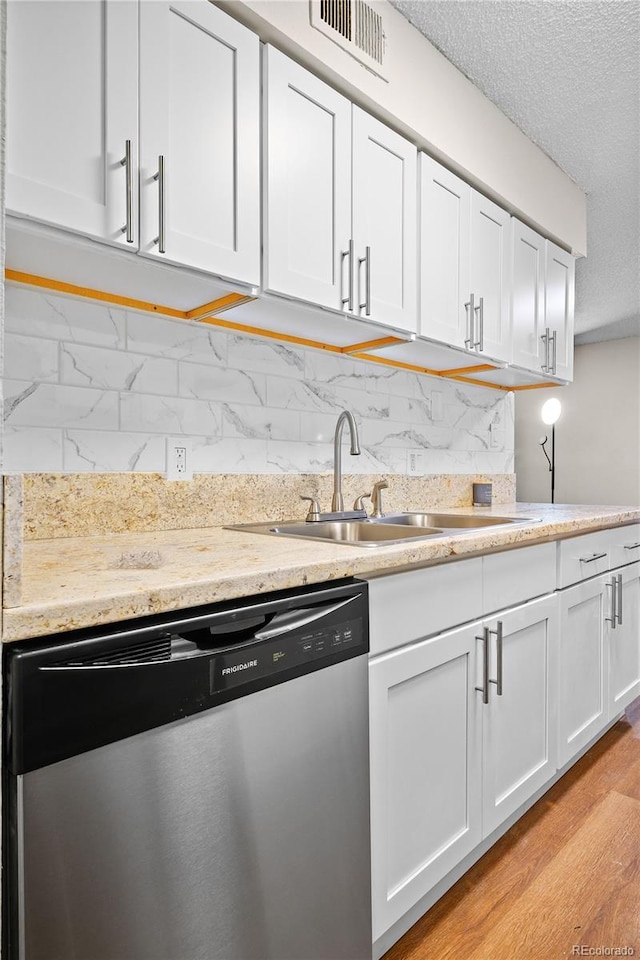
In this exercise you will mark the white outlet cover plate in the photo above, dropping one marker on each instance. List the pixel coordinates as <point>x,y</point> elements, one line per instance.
<point>179,458</point>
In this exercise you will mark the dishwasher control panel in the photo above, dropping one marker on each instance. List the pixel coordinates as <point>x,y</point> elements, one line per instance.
<point>268,658</point>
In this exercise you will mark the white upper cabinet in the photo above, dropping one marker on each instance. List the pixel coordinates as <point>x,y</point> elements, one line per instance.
<point>340,201</point>
<point>444,256</point>
<point>542,304</point>
<point>384,223</point>
<point>78,73</point>
<point>559,310</point>
<point>72,115</point>
<point>489,277</point>
<point>527,297</point>
<point>464,265</point>
<point>307,153</point>
<point>199,138</point>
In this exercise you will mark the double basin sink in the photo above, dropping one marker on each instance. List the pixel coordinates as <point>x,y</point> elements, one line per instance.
<point>382,531</point>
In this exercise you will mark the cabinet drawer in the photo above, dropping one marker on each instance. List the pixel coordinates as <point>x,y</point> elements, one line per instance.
<point>515,576</point>
<point>580,558</point>
<point>418,603</point>
<point>624,545</point>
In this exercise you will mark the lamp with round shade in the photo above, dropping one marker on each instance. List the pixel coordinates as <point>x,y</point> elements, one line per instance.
<point>550,414</point>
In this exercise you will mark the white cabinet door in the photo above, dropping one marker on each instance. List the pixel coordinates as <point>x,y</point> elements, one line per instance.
<point>384,223</point>
<point>519,729</point>
<point>425,768</point>
<point>490,276</point>
<point>559,309</point>
<point>583,708</point>
<point>624,640</point>
<point>445,212</point>
<point>527,297</point>
<point>200,112</point>
<point>72,81</point>
<point>307,184</point>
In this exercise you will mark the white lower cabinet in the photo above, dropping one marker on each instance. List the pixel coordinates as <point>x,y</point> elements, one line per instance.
<point>425,768</point>
<point>624,641</point>
<point>599,655</point>
<point>462,731</point>
<point>519,722</point>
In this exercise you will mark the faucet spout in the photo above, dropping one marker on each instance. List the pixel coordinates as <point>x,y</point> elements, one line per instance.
<point>337,503</point>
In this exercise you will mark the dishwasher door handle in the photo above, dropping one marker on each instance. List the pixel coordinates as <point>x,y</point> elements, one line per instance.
<point>285,623</point>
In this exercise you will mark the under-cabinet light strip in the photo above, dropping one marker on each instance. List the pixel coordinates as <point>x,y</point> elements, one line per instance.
<point>204,314</point>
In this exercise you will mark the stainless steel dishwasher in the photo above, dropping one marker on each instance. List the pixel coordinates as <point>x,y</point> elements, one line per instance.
<point>192,787</point>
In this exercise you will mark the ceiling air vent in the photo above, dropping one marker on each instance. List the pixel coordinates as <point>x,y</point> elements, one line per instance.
<point>356,27</point>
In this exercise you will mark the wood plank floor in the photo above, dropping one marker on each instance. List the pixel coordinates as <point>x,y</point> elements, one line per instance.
<point>566,875</point>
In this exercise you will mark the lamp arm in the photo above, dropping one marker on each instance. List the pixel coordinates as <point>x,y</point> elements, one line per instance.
<point>542,444</point>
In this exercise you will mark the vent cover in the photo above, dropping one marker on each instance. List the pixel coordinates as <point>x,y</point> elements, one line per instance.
<point>147,651</point>
<point>356,27</point>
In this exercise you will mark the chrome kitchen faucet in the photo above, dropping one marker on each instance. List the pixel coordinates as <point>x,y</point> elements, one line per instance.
<point>337,503</point>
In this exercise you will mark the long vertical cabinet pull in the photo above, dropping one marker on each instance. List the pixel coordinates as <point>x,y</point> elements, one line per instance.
<point>366,303</point>
<point>469,306</point>
<point>554,344</point>
<point>159,176</point>
<point>479,343</point>
<point>484,689</point>
<point>498,635</point>
<point>348,300</point>
<point>545,340</point>
<point>612,619</point>
<point>126,163</point>
<point>619,614</point>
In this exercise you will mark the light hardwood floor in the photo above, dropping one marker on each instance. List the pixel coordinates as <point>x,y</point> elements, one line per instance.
<point>566,876</point>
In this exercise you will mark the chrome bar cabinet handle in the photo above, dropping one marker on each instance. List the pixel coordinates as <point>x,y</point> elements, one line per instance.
<point>498,636</point>
<point>612,618</point>
<point>596,556</point>
<point>619,614</point>
<point>159,176</point>
<point>366,305</point>
<point>479,343</point>
<point>469,305</point>
<point>554,342</point>
<point>632,546</point>
<point>484,689</point>
<point>545,339</point>
<point>348,300</point>
<point>126,163</point>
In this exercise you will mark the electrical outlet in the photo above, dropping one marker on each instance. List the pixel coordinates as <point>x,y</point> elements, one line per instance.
<point>437,412</point>
<point>179,456</point>
<point>415,462</point>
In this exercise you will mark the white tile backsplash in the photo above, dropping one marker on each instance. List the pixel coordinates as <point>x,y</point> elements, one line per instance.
<point>55,405</point>
<point>28,358</point>
<point>36,314</point>
<point>91,388</point>
<point>117,370</point>
<point>88,451</point>
<point>169,415</point>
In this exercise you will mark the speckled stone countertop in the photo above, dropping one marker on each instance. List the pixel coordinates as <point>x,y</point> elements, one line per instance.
<point>85,581</point>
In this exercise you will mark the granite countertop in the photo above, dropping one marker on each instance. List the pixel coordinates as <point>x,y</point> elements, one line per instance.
<point>86,581</point>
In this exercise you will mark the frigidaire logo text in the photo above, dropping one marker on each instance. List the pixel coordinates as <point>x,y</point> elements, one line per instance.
<point>240,666</point>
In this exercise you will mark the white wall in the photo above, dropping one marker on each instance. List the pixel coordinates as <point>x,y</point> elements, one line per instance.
<point>438,108</point>
<point>91,388</point>
<point>597,436</point>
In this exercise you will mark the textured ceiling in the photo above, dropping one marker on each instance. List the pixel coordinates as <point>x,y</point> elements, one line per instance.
<point>567,72</point>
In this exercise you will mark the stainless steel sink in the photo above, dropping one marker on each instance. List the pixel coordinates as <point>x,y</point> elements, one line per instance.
<point>364,533</point>
<point>381,531</point>
<point>459,520</point>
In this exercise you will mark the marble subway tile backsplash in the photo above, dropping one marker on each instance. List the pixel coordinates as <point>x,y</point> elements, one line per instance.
<point>92,388</point>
